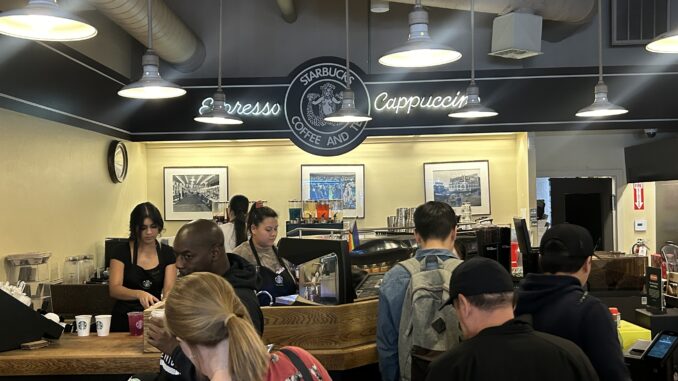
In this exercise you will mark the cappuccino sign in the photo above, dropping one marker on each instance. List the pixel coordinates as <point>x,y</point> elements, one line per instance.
<point>313,94</point>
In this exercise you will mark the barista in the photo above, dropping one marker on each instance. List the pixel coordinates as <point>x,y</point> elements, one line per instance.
<point>274,277</point>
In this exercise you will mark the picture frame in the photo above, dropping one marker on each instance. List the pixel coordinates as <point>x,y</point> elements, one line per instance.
<point>345,181</point>
<point>457,181</point>
<point>190,191</point>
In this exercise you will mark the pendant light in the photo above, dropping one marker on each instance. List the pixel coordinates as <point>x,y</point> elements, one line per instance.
<point>473,108</point>
<point>151,85</point>
<point>419,50</point>
<point>43,20</point>
<point>600,106</point>
<point>216,113</point>
<point>347,113</point>
<point>664,43</point>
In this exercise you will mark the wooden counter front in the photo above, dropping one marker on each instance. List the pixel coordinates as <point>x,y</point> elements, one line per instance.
<point>341,337</point>
<point>118,353</point>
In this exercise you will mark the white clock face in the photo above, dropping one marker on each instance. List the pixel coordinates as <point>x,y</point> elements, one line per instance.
<point>119,162</point>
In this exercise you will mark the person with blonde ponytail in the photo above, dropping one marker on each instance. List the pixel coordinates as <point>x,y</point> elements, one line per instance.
<point>215,332</point>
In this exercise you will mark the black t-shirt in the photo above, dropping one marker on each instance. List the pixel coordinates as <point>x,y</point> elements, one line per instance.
<point>513,351</point>
<point>137,278</point>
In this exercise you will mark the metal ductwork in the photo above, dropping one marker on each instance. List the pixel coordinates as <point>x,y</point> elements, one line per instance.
<point>288,10</point>
<point>172,40</point>
<point>574,11</point>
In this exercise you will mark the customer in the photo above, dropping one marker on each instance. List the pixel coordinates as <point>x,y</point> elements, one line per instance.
<point>496,346</point>
<point>199,246</point>
<point>215,331</point>
<point>273,274</point>
<point>141,269</point>
<point>560,306</point>
<point>235,230</point>
<point>435,230</point>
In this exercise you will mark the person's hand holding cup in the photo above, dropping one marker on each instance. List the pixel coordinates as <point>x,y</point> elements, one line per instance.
<point>157,334</point>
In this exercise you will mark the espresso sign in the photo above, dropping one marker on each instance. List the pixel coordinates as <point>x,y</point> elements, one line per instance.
<point>313,94</point>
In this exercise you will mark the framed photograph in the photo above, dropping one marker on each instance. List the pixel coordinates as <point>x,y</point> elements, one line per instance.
<point>190,191</point>
<point>336,182</point>
<point>458,182</point>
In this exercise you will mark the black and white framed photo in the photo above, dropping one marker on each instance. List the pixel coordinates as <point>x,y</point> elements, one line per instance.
<point>190,191</point>
<point>458,182</point>
<point>336,182</point>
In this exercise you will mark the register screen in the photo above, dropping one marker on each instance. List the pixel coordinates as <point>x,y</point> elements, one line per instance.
<point>662,346</point>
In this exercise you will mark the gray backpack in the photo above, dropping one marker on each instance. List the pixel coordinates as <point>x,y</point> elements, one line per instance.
<point>426,331</point>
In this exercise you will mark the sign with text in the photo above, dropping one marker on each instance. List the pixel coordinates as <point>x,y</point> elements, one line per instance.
<point>655,291</point>
<point>638,197</point>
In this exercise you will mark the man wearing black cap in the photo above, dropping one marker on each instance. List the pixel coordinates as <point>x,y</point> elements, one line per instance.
<point>496,346</point>
<point>559,305</point>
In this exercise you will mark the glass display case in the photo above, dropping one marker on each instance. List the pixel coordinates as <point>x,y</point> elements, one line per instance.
<point>614,271</point>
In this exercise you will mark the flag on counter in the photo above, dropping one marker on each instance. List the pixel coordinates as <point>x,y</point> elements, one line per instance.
<point>353,237</point>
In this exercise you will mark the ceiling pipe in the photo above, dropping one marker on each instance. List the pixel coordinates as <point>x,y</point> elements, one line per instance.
<point>173,41</point>
<point>574,11</point>
<point>288,10</point>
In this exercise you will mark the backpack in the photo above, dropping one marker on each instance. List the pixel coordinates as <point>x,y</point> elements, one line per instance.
<point>425,331</point>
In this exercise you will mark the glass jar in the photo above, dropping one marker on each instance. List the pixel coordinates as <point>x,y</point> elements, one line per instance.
<point>294,207</point>
<point>322,208</point>
<point>337,210</point>
<point>219,212</point>
<point>309,211</point>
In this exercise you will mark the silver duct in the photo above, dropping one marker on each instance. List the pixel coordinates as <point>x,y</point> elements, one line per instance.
<point>172,40</point>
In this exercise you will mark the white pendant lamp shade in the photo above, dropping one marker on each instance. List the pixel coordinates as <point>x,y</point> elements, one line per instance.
<point>151,85</point>
<point>419,50</point>
<point>347,113</point>
<point>601,106</point>
<point>43,20</point>
<point>216,114</point>
<point>665,43</point>
<point>473,107</point>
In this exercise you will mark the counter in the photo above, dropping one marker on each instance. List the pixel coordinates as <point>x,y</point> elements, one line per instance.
<point>118,353</point>
<point>341,337</point>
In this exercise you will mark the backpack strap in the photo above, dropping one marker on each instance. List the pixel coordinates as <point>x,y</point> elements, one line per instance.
<point>298,363</point>
<point>412,265</point>
<point>451,264</point>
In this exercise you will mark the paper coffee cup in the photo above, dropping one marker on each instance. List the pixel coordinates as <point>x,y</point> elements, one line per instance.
<point>103,323</point>
<point>82,324</point>
<point>158,314</point>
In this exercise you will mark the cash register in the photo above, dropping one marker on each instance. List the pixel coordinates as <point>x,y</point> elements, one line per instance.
<point>656,360</point>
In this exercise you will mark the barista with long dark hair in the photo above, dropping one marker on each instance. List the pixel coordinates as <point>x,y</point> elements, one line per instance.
<point>142,269</point>
<point>235,230</point>
<point>273,274</point>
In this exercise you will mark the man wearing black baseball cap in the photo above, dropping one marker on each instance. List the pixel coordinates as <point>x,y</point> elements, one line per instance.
<point>496,346</point>
<point>559,305</point>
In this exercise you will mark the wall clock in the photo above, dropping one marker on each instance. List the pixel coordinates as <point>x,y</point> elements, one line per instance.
<point>117,161</point>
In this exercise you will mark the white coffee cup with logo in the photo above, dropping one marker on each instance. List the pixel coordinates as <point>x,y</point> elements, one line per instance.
<point>82,324</point>
<point>103,323</point>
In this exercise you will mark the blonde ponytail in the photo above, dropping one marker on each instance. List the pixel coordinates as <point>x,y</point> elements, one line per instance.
<point>202,308</point>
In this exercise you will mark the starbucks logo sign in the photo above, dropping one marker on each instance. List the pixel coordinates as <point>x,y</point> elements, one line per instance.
<point>313,94</point>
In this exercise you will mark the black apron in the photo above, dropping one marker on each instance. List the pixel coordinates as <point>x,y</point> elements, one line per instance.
<point>271,284</point>
<point>137,278</point>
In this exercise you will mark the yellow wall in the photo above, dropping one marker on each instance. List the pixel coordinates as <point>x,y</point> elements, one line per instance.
<point>394,175</point>
<point>56,194</point>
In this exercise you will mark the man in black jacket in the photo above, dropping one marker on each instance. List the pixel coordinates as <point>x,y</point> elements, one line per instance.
<point>560,306</point>
<point>496,346</point>
<point>199,246</point>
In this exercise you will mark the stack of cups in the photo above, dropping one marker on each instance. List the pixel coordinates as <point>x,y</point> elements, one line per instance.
<point>103,323</point>
<point>82,323</point>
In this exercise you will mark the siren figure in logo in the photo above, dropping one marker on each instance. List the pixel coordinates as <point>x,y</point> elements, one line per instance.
<point>326,103</point>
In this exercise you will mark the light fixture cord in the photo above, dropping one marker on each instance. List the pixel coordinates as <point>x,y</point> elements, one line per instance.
<point>600,42</point>
<point>221,17</point>
<point>473,44</point>
<point>348,70</point>
<point>150,26</point>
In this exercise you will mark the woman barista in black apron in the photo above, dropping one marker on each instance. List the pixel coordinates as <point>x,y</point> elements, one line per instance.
<point>274,277</point>
<point>141,269</point>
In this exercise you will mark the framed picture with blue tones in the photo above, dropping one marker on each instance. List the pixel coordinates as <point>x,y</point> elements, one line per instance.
<point>457,182</point>
<point>336,182</point>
